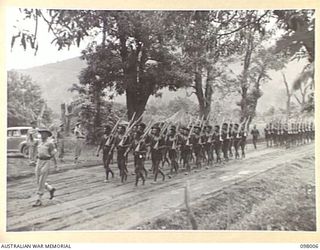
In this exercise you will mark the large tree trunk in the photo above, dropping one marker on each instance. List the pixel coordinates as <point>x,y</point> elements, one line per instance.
<point>208,93</point>
<point>136,102</point>
<point>199,92</point>
<point>244,81</point>
<point>204,97</point>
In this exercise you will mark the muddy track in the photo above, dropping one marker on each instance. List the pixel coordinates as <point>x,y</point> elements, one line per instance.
<point>84,202</point>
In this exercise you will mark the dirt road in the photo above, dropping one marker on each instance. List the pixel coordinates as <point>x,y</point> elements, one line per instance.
<point>84,202</point>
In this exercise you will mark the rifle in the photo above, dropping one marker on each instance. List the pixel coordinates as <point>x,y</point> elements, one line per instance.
<point>149,126</point>
<point>174,144</point>
<point>112,132</point>
<point>189,135</point>
<point>201,129</point>
<point>163,129</point>
<point>246,126</point>
<point>131,124</point>
<point>239,128</point>
<point>228,128</point>
<point>220,130</point>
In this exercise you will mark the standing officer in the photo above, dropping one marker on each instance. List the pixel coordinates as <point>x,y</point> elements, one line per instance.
<point>255,135</point>
<point>60,142</point>
<point>79,141</point>
<point>32,143</point>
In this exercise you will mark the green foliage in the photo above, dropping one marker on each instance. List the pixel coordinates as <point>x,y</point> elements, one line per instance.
<point>24,100</point>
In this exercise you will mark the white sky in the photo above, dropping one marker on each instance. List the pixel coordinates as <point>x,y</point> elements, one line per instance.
<point>17,58</point>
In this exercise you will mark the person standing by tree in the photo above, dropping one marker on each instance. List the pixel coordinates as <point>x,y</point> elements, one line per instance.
<point>60,142</point>
<point>79,141</point>
<point>255,135</point>
<point>32,143</point>
<point>46,153</point>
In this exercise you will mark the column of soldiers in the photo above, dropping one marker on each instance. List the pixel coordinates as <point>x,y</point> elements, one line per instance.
<point>179,146</point>
<point>288,134</point>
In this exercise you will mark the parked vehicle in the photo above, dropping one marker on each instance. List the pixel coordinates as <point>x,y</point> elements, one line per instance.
<point>17,140</point>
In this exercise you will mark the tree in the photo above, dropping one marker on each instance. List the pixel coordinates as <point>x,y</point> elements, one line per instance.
<point>298,42</point>
<point>137,40</point>
<point>25,102</point>
<point>257,62</point>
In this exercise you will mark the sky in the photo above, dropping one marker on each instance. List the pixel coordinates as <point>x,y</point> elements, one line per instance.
<point>17,58</point>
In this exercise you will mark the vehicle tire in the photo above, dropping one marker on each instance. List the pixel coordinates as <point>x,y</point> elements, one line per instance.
<point>25,151</point>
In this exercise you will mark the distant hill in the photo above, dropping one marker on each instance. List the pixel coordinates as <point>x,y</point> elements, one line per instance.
<point>55,79</point>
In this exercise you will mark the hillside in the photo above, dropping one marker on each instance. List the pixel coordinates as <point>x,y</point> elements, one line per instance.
<point>55,79</point>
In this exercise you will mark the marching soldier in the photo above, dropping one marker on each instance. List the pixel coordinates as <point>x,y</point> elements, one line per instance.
<point>208,146</point>
<point>139,153</point>
<point>225,141</point>
<point>122,144</point>
<point>186,149</point>
<point>237,139</point>
<point>217,142</point>
<point>197,145</point>
<point>157,144</point>
<point>255,134</point>
<point>230,139</point>
<point>172,143</point>
<point>106,145</point>
<point>243,138</point>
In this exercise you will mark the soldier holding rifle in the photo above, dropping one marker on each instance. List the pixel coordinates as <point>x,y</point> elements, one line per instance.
<point>156,145</point>
<point>217,141</point>
<point>225,140</point>
<point>197,145</point>
<point>122,144</point>
<point>107,146</point>
<point>172,143</point>
<point>208,146</point>
<point>138,145</point>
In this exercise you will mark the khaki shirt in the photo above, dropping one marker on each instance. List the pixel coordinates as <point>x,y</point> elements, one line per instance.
<point>46,150</point>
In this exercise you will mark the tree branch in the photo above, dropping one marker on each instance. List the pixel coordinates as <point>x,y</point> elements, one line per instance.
<point>297,99</point>
<point>240,28</point>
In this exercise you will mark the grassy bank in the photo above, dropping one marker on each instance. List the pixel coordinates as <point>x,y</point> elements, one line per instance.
<point>279,199</point>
